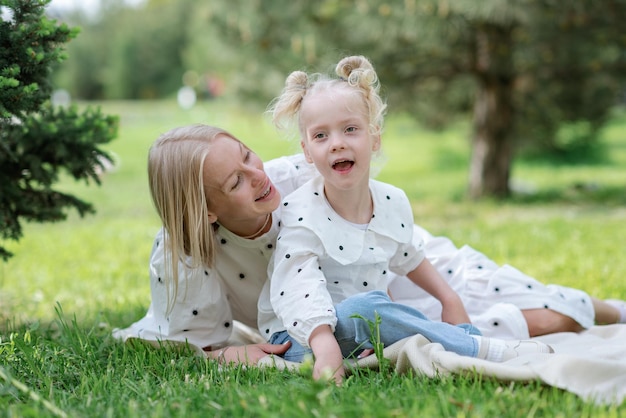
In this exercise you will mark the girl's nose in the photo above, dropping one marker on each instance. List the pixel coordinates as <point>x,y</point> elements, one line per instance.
<point>337,143</point>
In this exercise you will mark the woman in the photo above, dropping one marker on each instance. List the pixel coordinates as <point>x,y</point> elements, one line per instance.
<point>220,208</point>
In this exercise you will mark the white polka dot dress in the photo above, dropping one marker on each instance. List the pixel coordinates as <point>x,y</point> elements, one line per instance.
<point>493,295</point>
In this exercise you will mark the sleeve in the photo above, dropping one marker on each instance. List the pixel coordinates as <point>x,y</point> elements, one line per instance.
<point>200,314</point>
<point>411,251</point>
<point>408,257</point>
<point>290,172</point>
<point>298,287</point>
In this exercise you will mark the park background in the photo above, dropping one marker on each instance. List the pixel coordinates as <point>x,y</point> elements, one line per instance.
<point>70,283</point>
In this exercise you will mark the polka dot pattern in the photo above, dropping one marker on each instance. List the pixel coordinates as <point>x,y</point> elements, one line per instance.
<point>321,258</point>
<point>207,300</point>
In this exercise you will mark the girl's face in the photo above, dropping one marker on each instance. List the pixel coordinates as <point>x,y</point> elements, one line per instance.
<point>238,190</point>
<point>337,138</point>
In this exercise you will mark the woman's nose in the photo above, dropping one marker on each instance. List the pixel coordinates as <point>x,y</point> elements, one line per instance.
<point>257,176</point>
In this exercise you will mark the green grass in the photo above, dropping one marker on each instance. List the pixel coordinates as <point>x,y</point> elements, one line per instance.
<point>70,283</point>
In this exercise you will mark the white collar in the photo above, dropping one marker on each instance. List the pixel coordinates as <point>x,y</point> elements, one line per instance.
<point>307,207</point>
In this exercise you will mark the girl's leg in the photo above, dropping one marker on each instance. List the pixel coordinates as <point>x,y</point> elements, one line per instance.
<point>296,352</point>
<point>398,321</point>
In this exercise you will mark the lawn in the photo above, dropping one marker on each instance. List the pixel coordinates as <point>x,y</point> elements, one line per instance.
<point>69,284</point>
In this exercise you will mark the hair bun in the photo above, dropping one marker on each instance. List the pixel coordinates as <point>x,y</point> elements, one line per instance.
<point>357,70</point>
<point>297,79</point>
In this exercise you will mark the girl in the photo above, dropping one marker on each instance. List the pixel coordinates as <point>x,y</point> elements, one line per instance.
<point>343,232</point>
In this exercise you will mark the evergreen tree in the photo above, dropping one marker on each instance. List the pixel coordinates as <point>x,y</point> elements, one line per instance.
<point>39,141</point>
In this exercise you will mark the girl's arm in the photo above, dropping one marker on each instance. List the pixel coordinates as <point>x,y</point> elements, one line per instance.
<point>328,357</point>
<point>429,279</point>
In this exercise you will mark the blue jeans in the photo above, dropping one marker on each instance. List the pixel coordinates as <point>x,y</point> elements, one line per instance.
<point>398,321</point>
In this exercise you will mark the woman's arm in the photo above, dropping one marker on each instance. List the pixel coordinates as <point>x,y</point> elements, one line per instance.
<point>197,312</point>
<point>246,354</point>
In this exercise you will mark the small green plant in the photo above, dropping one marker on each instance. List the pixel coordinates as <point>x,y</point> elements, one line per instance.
<point>375,339</point>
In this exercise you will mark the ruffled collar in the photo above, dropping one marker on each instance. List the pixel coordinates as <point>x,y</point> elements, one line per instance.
<point>307,207</point>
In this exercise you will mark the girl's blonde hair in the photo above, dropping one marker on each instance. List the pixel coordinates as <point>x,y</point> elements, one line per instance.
<point>175,172</point>
<point>354,72</point>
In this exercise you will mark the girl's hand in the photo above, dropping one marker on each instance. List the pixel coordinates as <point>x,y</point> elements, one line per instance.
<point>453,311</point>
<point>329,368</point>
<point>429,279</point>
<point>328,357</point>
<point>366,353</point>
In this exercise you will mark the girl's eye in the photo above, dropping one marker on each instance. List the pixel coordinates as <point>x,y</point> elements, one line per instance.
<point>351,129</point>
<point>318,136</point>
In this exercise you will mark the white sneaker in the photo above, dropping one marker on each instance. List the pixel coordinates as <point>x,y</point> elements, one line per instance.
<point>516,348</point>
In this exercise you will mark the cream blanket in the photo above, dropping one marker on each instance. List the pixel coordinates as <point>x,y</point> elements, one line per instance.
<point>591,364</point>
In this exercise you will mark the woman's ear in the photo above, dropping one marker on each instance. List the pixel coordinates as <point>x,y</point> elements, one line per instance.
<point>306,152</point>
<point>212,217</point>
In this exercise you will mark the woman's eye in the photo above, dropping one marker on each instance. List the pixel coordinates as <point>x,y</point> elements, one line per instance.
<point>237,182</point>
<point>246,157</point>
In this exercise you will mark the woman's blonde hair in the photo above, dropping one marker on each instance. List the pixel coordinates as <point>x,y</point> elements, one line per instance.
<point>354,72</point>
<point>175,172</point>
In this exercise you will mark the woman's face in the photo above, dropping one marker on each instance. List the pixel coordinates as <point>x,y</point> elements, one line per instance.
<point>237,188</point>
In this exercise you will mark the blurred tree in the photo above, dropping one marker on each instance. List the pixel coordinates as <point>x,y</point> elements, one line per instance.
<point>527,69</point>
<point>90,71</point>
<point>38,140</point>
<point>263,40</point>
<point>127,52</point>
<point>148,50</point>
<point>206,56</point>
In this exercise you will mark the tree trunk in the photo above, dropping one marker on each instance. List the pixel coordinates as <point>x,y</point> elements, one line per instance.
<point>492,148</point>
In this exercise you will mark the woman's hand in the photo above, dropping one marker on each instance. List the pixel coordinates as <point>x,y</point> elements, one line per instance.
<point>247,354</point>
